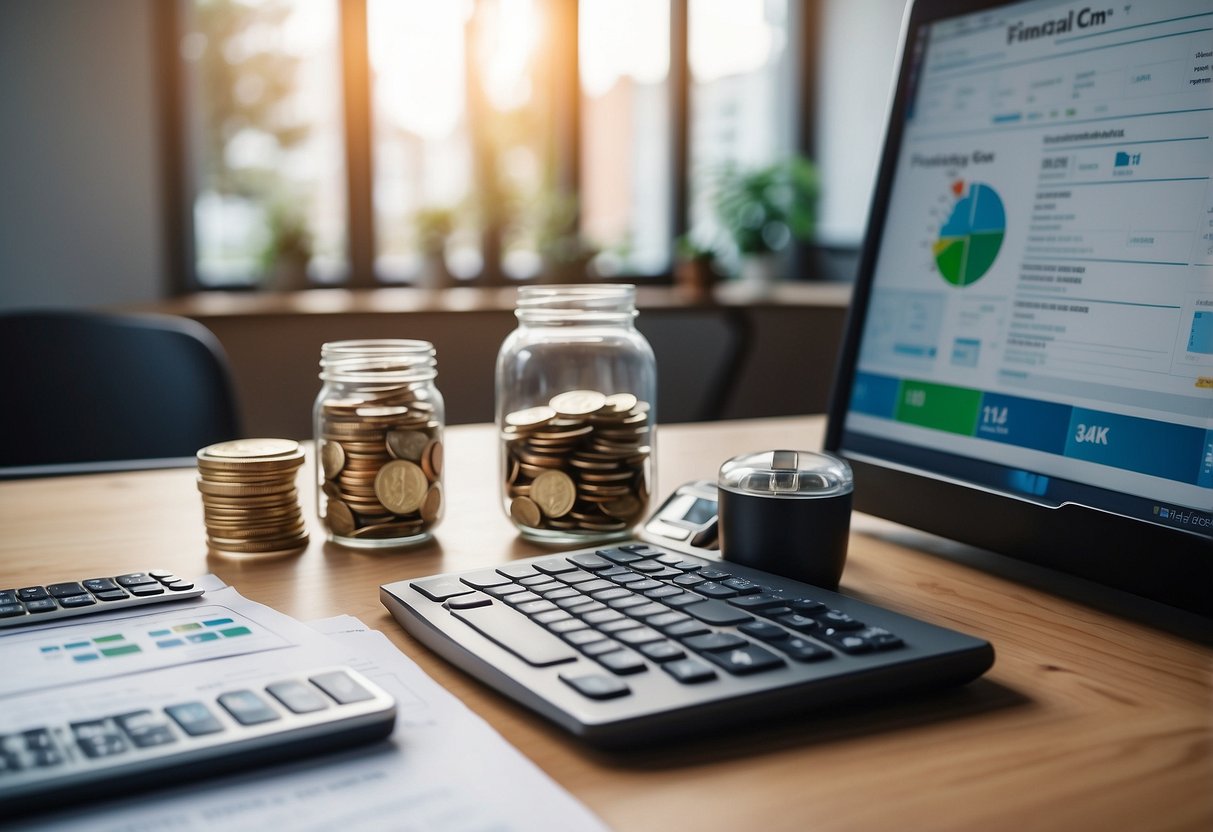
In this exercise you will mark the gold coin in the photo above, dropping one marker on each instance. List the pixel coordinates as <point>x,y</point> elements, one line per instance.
<point>531,417</point>
<point>340,518</point>
<point>332,458</point>
<point>431,506</point>
<point>625,508</point>
<point>381,412</point>
<point>400,486</point>
<point>578,402</point>
<point>431,460</point>
<point>224,489</point>
<point>251,448</point>
<point>524,510</point>
<point>407,444</point>
<point>554,492</point>
<point>260,547</point>
<point>621,402</point>
<point>385,531</point>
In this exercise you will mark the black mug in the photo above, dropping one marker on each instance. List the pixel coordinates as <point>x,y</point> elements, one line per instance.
<point>787,512</point>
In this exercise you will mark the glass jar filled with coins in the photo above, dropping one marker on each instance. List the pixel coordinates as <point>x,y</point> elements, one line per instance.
<point>576,396</point>
<point>378,422</point>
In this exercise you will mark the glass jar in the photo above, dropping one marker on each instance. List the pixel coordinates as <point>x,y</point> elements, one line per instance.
<point>576,413</point>
<point>378,426</point>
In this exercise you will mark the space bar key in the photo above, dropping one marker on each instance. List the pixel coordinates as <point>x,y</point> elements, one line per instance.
<point>517,633</point>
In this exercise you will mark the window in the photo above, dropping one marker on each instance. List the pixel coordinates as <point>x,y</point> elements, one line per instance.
<point>500,140</point>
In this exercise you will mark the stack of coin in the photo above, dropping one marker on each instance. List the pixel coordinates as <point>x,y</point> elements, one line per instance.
<point>249,500</point>
<point>380,465</point>
<point>579,464</point>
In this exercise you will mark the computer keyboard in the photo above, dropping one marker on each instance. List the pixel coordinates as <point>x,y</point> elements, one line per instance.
<point>202,732</point>
<point>628,644</point>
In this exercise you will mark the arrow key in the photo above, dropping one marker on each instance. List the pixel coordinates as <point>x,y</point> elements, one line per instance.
<point>745,660</point>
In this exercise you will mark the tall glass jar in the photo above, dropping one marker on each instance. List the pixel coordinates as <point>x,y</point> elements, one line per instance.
<point>378,426</point>
<point>576,413</point>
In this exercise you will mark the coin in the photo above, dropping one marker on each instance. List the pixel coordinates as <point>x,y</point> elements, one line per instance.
<point>431,506</point>
<point>577,402</point>
<point>251,448</point>
<point>531,417</point>
<point>332,457</point>
<point>407,444</point>
<point>431,460</point>
<point>339,517</point>
<point>524,510</point>
<point>554,492</point>
<point>400,486</point>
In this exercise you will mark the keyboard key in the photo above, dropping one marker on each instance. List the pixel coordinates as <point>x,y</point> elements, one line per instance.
<point>66,590</point>
<point>502,590</point>
<point>49,604</point>
<point>591,563</point>
<point>648,566</point>
<point>580,638</point>
<point>602,616</point>
<point>546,587</point>
<point>666,572</point>
<point>661,651</point>
<point>546,618</point>
<point>711,589</point>
<point>689,671</point>
<point>554,566</point>
<point>576,577</point>
<point>572,601</point>
<point>801,649</point>
<point>714,642</point>
<point>436,589</point>
<point>662,591</point>
<point>10,610</point>
<point>472,599</point>
<point>682,599</point>
<point>536,580</point>
<point>690,627</point>
<point>32,593</point>
<point>536,607</point>
<point>713,574</point>
<point>560,627</point>
<point>666,619</point>
<point>597,648</point>
<point>518,634</point>
<point>743,661</point>
<point>716,612</point>
<point>8,596</point>
<point>628,601</point>
<point>619,556</point>
<point>341,687</point>
<point>806,606</point>
<point>608,595</point>
<point>41,747</point>
<point>194,718</point>
<point>596,685</point>
<point>625,578</point>
<point>616,626</point>
<point>585,607</point>
<point>99,738</point>
<point>838,620</point>
<point>638,635</point>
<point>134,579</point>
<point>646,585</point>
<point>742,586</point>
<point>764,631</point>
<point>141,591</point>
<point>111,595</point>
<point>99,585</point>
<point>517,571</point>
<point>760,601</point>
<point>146,730</point>
<point>596,585</point>
<point>798,622</point>
<point>485,579</point>
<point>563,592</point>
<point>247,708</point>
<point>85,600</point>
<point>515,599</point>
<point>860,641</point>
<point>622,662</point>
<point>297,697</point>
<point>689,579</point>
<point>648,610</point>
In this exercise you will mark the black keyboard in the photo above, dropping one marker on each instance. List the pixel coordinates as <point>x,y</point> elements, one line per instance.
<point>625,645</point>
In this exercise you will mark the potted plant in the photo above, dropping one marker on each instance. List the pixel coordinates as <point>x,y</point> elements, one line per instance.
<point>763,209</point>
<point>566,253</point>
<point>695,269</point>
<point>288,249</point>
<point>433,227</point>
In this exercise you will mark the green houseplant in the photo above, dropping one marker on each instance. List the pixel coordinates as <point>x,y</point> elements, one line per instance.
<point>433,227</point>
<point>288,249</point>
<point>763,209</point>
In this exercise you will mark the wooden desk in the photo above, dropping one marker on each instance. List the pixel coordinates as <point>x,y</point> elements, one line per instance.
<point>1087,721</point>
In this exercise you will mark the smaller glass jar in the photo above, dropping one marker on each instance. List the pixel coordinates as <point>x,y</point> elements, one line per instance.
<point>576,412</point>
<point>378,424</point>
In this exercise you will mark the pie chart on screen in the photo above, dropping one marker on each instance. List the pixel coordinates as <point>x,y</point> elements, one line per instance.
<point>970,239</point>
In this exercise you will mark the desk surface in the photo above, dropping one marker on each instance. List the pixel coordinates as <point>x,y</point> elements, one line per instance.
<point>1086,721</point>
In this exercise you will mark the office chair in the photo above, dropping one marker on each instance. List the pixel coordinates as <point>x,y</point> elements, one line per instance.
<point>83,390</point>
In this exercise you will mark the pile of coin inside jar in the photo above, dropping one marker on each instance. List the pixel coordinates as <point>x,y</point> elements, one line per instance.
<point>578,464</point>
<point>249,500</point>
<point>380,463</point>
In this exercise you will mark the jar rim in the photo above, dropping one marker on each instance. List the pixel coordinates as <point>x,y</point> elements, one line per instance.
<point>378,360</point>
<point>576,302</point>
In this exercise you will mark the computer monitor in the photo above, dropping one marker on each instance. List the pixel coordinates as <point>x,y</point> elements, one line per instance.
<point>1028,365</point>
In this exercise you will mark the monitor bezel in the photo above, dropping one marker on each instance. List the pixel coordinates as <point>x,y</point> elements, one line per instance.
<point>1165,565</point>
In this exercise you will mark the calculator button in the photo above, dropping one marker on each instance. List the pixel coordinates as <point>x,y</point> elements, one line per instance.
<point>112,595</point>
<point>247,708</point>
<point>99,585</point>
<point>135,579</point>
<point>801,649</point>
<point>472,599</point>
<point>689,671</point>
<point>341,687</point>
<point>591,563</point>
<point>596,685</point>
<point>160,574</point>
<point>179,585</point>
<point>764,631</point>
<point>622,662</point>
<point>194,718</point>
<point>714,590</point>
<point>144,590</point>
<point>746,660</point>
<point>714,642</point>
<point>164,577</point>
<point>716,612</point>
<point>554,566</point>
<point>98,738</point>
<point>146,729</point>
<point>10,610</point>
<point>32,593</point>
<point>72,601</point>
<point>42,749</point>
<point>64,590</point>
<point>760,601</point>
<point>8,596</point>
<point>662,651</point>
<point>297,697</point>
<point>45,605</point>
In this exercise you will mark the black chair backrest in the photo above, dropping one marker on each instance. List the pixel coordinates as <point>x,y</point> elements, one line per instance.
<point>84,387</point>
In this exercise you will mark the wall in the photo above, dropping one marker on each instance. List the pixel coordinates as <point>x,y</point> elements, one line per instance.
<point>80,204</point>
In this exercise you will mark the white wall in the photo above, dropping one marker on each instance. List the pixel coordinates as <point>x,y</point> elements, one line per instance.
<point>855,70</point>
<point>80,177</point>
